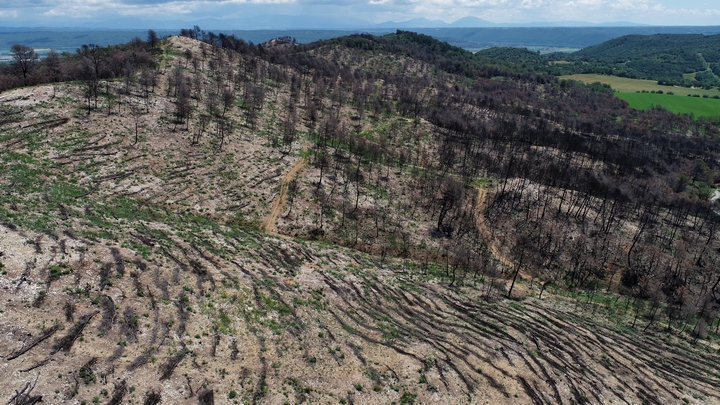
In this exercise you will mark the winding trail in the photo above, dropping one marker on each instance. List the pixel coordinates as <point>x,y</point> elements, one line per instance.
<point>270,221</point>
<point>485,231</point>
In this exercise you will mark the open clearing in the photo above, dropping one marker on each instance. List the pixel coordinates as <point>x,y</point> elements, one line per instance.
<point>679,102</point>
<point>626,85</point>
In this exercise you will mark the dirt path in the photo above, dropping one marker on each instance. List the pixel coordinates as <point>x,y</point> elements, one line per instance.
<point>485,231</point>
<point>281,200</point>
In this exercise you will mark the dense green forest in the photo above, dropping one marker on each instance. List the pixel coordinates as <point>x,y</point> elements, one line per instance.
<point>683,60</point>
<point>670,59</point>
<point>550,37</point>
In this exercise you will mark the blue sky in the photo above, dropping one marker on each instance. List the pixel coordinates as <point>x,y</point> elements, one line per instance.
<point>78,12</point>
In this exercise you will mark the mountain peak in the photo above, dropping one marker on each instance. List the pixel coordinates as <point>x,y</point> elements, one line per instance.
<point>414,23</point>
<point>472,22</point>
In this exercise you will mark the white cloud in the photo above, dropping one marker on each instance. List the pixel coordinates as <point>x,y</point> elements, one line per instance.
<point>146,8</point>
<point>535,3</point>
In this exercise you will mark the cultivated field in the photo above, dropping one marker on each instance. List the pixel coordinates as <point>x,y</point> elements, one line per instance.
<point>631,90</point>
<point>625,85</point>
<point>700,107</point>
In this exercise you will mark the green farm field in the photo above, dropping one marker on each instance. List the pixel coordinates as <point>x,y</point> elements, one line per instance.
<point>626,85</point>
<point>700,107</point>
<point>631,90</point>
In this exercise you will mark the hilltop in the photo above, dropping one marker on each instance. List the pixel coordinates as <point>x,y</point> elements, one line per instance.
<point>357,220</point>
<point>671,59</point>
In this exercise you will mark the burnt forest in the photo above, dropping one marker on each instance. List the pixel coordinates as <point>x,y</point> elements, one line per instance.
<point>359,220</point>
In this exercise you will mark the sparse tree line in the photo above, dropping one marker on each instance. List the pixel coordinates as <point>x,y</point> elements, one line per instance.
<point>89,63</point>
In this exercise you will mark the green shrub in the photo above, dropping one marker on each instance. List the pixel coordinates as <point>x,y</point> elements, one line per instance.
<point>408,398</point>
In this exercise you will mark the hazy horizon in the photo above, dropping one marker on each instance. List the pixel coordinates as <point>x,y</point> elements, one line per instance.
<point>283,14</point>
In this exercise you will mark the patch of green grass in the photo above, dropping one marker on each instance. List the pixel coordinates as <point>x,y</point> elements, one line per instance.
<point>19,157</point>
<point>389,330</point>
<point>349,329</point>
<point>368,135</point>
<point>65,193</point>
<point>127,208</point>
<point>63,144</point>
<point>58,270</point>
<point>278,306</point>
<point>223,322</point>
<point>23,177</point>
<point>229,175</point>
<point>679,103</point>
<point>407,284</point>
<point>305,153</point>
<point>408,398</point>
<point>144,250</point>
<point>315,301</point>
<point>482,183</point>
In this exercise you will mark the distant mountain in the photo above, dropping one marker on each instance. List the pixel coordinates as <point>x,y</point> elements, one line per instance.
<point>245,22</point>
<point>472,22</point>
<point>579,24</point>
<point>275,22</point>
<point>414,23</point>
<point>552,24</point>
<point>465,22</point>
<point>292,21</point>
<point>621,24</point>
<point>552,37</point>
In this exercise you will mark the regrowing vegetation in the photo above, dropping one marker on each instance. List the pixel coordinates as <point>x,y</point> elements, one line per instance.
<point>359,220</point>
